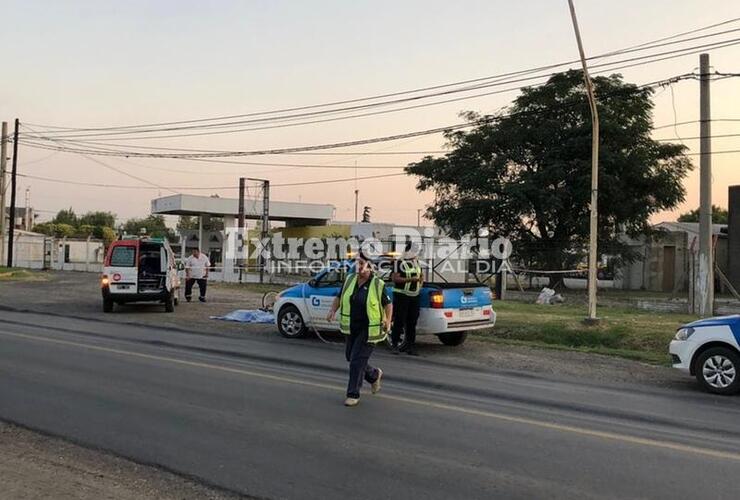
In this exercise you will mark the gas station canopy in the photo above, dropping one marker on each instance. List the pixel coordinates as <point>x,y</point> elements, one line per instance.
<point>293,214</point>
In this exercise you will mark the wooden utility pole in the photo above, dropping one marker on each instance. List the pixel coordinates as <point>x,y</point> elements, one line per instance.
<point>3,165</point>
<point>594,226</point>
<point>11,223</point>
<point>704,291</point>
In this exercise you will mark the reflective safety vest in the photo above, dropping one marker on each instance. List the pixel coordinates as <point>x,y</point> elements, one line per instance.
<point>409,269</point>
<point>375,309</point>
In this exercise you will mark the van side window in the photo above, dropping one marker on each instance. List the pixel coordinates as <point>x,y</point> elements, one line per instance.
<point>123,257</point>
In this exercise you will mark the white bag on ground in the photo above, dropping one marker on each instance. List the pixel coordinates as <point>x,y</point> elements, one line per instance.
<point>548,296</point>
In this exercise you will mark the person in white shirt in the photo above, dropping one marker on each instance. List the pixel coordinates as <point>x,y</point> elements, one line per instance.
<point>196,269</point>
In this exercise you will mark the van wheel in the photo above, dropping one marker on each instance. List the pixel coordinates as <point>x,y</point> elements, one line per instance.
<point>453,339</point>
<point>169,303</point>
<point>717,370</point>
<point>107,305</point>
<point>290,323</point>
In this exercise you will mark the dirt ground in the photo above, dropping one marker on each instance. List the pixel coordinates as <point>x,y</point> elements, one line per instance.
<point>34,466</point>
<point>78,294</point>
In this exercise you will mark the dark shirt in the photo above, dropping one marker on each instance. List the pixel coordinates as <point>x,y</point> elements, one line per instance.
<point>358,319</point>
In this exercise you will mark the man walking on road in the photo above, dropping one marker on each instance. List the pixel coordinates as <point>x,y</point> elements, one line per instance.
<point>196,269</point>
<point>407,281</point>
<point>365,312</point>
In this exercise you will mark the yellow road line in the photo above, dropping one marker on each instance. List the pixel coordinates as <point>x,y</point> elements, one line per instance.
<point>612,436</point>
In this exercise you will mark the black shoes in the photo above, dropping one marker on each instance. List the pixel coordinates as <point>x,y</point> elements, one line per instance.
<point>202,299</point>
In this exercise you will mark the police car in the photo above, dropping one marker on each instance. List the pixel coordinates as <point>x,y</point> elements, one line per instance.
<point>709,349</point>
<point>447,310</point>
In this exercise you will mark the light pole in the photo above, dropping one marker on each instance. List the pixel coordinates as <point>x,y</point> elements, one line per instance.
<point>593,233</point>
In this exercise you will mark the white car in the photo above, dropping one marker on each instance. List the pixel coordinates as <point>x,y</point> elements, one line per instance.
<point>710,350</point>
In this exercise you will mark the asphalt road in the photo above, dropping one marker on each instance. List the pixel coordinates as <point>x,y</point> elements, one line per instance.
<point>264,417</point>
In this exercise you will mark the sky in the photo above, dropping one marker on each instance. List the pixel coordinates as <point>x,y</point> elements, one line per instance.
<point>109,63</point>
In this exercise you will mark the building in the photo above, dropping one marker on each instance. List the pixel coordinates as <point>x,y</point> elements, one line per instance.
<point>25,218</point>
<point>668,263</point>
<point>38,251</point>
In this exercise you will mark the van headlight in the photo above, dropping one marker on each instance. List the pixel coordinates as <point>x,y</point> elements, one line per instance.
<point>684,333</point>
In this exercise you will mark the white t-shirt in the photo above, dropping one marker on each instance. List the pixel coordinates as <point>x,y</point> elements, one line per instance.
<point>197,265</point>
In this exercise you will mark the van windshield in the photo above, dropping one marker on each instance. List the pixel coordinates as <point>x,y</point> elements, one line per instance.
<point>123,257</point>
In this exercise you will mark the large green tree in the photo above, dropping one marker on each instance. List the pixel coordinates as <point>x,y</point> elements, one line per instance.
<point>526,174</point>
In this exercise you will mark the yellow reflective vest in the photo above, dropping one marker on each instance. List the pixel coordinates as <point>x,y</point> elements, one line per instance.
<point>409,269</point>
<point>374,304</point>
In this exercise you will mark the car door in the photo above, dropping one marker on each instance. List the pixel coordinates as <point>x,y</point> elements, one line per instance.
<point>320,295</point>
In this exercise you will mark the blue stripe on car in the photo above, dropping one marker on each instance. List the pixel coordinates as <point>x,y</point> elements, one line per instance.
<point>732,321</point>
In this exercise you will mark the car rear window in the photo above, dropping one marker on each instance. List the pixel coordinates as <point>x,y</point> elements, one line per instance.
<point>123,257</point>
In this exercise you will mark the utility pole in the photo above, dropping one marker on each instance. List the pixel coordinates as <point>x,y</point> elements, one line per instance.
<point>265,224</point>
<point>11,228</point>
<point>27,213</point>
<point>3,165</point>
<point>704,292</point>
<point>240,252</point>
<point>594,226</point>
<point>357,195</point>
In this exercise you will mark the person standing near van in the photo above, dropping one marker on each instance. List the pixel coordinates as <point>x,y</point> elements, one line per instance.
<point>196,270</point>
<point>365,312</point>
<point>407,283</point>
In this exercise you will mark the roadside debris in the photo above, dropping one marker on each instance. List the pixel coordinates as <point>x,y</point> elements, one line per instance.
<point>548,296</point>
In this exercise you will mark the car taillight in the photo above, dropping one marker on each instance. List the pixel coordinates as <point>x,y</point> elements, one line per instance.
<point>104,281</point>
<point>437,300</point>
<point>486,312</point>
<point>448,314</point>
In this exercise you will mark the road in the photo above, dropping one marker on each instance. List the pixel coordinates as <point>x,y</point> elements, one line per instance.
<point>263,416</point>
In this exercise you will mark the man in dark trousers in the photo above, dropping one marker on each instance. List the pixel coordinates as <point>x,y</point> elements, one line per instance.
<point>407,282</point>
<point>196,270</point>
<point>365,312</point>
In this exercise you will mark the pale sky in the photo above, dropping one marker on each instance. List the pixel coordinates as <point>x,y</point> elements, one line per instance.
<point>105,63</point>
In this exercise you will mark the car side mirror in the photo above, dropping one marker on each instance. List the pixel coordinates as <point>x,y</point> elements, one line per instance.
<point>312,283</point>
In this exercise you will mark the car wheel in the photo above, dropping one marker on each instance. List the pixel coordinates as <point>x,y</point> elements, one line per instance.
<point>717,370</point>
<point>453,339</point>
<point>290,323</point>
<point>107,305</point>
<point>169,303</point>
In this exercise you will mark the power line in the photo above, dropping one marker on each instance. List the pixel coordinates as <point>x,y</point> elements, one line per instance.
<point>639,47</point>
<point>104,152</point>
<point>670,55</point>
<point>201,188</point>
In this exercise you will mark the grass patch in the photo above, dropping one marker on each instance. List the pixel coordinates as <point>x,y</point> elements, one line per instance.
<point>623,331</point>
<point>18,274</point>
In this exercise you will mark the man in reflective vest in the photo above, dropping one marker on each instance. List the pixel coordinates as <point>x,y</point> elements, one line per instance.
<point>407,281</point>
<point>365,312</point>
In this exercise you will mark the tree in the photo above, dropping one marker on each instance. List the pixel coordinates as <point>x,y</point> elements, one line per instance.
<point>66,217</point>
<point>47,228</point>
<point>526,174</point>
<point>63,230</point>
<point>104,219</point>
<point>154,225</point>
<point>719,215</point>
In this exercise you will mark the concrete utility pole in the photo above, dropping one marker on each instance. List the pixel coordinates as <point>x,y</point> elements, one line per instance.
<point>593,234</point>
<point>704,292</point>
<point>3,165</point>
<point>240,259</point>
<point>11,223</point>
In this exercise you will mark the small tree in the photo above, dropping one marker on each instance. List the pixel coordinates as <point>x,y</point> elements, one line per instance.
<point>107,219</point>
<point>67,216</point>
<point>719,215</point>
